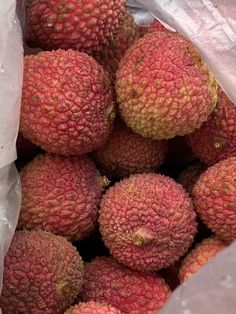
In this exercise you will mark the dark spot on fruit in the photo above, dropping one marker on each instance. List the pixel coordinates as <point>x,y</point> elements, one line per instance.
<point>134,93</point>
<point>139,59</point>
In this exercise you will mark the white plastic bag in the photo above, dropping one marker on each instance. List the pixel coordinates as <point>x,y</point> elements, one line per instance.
<point>11,70</point>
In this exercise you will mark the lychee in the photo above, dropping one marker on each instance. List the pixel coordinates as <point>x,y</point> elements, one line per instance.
<point>214,197</point>
<point>147,221</point>
<point>67,102</point>
<point>43,273</point>
<point>127,153</point>
<point>164,89</point>
<point>110,55</point>
<point>216,139</point>
<point>60,195</point>
<point>199,256</point>
<point>131,291</point>
<point>78,24</point>
<point>93,308</point>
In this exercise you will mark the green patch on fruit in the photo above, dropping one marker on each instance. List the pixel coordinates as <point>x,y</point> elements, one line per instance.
<point>63,288</point>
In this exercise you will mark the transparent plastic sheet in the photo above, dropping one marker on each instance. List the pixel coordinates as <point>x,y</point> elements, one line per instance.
<point>11,72</point>
<point>211,26</point>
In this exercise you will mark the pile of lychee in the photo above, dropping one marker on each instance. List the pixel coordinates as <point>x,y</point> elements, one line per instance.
<point>127,160</point>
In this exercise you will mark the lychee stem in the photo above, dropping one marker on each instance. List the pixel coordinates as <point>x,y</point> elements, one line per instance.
<point>142,237</point>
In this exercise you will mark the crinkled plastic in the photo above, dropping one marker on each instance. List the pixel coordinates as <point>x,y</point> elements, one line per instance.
<point>211,26</point>
<point>11,70</point>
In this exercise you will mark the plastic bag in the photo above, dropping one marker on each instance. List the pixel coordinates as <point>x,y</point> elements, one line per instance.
<point>11,69</point>
<point>211,26</point>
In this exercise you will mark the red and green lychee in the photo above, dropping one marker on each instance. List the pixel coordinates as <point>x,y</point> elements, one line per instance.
<point>164,89</point>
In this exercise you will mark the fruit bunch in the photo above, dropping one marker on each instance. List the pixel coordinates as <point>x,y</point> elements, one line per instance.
<point>127,160</point>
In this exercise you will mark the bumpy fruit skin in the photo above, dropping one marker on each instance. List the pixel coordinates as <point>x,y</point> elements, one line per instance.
<point>164,89</point>
<point>60,195</point>
<point>127,153</point>
<point>188,178</point>
<point>78,24</point>
<point>216,139</point>
<point>199,256</point>
<point>67,103</point>
<point>111,54</point>
<point>214,197</point>
<point>147,221</point>
<point>132,292</point>
<point>43,273</point>
<point>93,308</point>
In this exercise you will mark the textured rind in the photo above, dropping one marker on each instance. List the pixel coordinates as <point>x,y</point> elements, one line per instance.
<point>60,195</point>
<point>199,256</point>
<point>67,102</point>
<point>163,87</point>
<point>126,153</point>
<point>43,273</point>
<point>132,292</point>
<point>214,197</point>
<point>216,139</point>
<point>110,55</point>
<point>78,24</point>
<point>188,178</point>
<point>93,308</point>
<point>152,206</point>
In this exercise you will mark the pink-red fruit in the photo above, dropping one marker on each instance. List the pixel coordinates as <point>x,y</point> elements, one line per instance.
<point>43,274</point>
<point>164,89</point>
<point>93,308</point>
<point>216,139</point>
<point>214,197</point>
<point>147,221</point>
<point>60,195</point>
<point>105,280</point>
<point>126,153</point>
<point>199,256</point>
<point>67,103</point>
<point>79,24</point>
<point>110,55</point>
